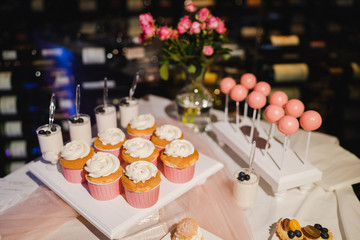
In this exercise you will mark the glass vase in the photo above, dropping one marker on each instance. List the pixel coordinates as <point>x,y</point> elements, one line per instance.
<point>193,103</point>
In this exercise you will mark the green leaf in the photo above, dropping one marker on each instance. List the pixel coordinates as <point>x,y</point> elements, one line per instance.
<point>191,68</point>
<point>164,71</point>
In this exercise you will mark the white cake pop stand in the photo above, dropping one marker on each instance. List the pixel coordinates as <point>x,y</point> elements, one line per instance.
<point>293,172</point>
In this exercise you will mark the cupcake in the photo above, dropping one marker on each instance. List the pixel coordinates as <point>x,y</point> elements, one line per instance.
<point>142,126</point>
<point>141,182</point>
<point>103,173</point>
<point>187,228</point>
<point>73,158</point>
<point>110,140</point>
<point>165,134</point>
<point>139,149</point>
<point>179,158</point>
<point>287,229</point>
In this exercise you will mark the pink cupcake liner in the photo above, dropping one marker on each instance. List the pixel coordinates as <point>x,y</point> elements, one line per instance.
<point>74,175</point>
<point>155,162</point>
<point>176,175</point>
<point>105,192</point>
<point>142,199</point>
<point>131,136</point>
<point>115,152</point>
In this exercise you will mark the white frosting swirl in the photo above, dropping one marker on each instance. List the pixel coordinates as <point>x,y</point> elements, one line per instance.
<point>51,157</point>
<point>140,171</point>
<point>179,148</point>
<point>139,147</point>
<point>102,164</point>
<point>75,149</point>
<point>168,132</point>
<point>198,235</point>
<point>142,122</point>
<point>111,136</point>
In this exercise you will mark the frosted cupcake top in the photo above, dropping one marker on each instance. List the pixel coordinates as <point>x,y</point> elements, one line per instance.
<point>140,171</point>
<point>179,148</point>
<point>142,122</point>
<point>102,164</point>
<point>111,136</point>
<point>139,147</point>
<point>168,132</point>
<point>75,149</point>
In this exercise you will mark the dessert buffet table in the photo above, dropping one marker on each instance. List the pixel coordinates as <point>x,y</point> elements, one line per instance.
<point>28,206</point>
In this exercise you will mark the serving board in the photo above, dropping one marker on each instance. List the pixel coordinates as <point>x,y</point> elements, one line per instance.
<point>292,172</point>
<point>115,217</point>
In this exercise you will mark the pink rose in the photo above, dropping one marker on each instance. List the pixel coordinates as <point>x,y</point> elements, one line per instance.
<point>164,33</point>
<point>145,19</point>
<point>203,25</point>
<point>208,50</point>
<point>149,31</point>
<point>184,24</point>
<point>190,7</point>
<point>204,14</point>
<point>174,34</point>
<point>221,29</point>
<point>213,22</point>
<point>195,27</point>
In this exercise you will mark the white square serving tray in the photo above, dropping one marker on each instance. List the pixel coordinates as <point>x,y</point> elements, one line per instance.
<point>115,217</point>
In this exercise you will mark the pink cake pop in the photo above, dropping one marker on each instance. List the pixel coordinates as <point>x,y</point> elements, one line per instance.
<point>238,93</point>
<point>273,113</point>
<point>248,80</point>
<point>278,98</point>
<point>294,107</point>
<point>226,85</point>
<point>287,125</point>
<point>310,121</point>
<point>263,87</point>
<point>256,100</point>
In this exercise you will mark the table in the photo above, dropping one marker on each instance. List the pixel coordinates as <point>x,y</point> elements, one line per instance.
<point>330,202</point>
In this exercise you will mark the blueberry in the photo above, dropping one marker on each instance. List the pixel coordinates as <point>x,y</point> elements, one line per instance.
<point>47,132</point>
<point>241,174</point>
<point>298,233</point>
<point>72,120</point>
<point>247,177</point>
<point>324,235</point>
<point>101,110</point>
<point>241,178</point>
<point>291,234</point>
<point>41,132</point>
<point>80,120</point>
<point>53,128</point>
<point>324,230</point>
<point>318,226</point>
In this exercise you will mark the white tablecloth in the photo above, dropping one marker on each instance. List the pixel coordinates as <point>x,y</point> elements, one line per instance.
<point>331,202</point>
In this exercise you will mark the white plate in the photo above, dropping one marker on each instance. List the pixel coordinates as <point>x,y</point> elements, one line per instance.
<point>206,235</point>
<point>116,216</point>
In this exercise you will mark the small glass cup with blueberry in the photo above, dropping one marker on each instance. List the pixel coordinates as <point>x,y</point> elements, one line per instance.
<point>245,187</point>
<point>50,142</point>
<point>106,117</point>
<point>80,128</point>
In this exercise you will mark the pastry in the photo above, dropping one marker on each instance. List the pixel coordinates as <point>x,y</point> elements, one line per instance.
<point>141,182</point>
<point>103,173</point>
<point>110,140</point>
<point>316,232</point>
<point>287,229</point>
<point>142,126</point>
<point>187,229</point>
<point>139,149</point>
<point>179,158</point>
<point>165,134</point>
<point>73,157</point>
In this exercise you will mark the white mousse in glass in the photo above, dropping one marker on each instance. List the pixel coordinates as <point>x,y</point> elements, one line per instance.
<point>129,109</point>
<point>245,187</point>
<point>50,141</point>
<point>105,117</point>
<point>80,128</point>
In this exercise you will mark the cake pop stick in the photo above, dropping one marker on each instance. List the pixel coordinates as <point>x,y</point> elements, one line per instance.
<point>257,100</point>
<point>248,80</point>
<point>310,121</point>
<point>238,93</point>
<point>287,125</point>
<point>265,89</point>
<point>294,107</point>
<point>226,85</point>
<point>273,113</point>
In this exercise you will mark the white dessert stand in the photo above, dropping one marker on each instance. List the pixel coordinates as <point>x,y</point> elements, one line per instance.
<point>292,173</point>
